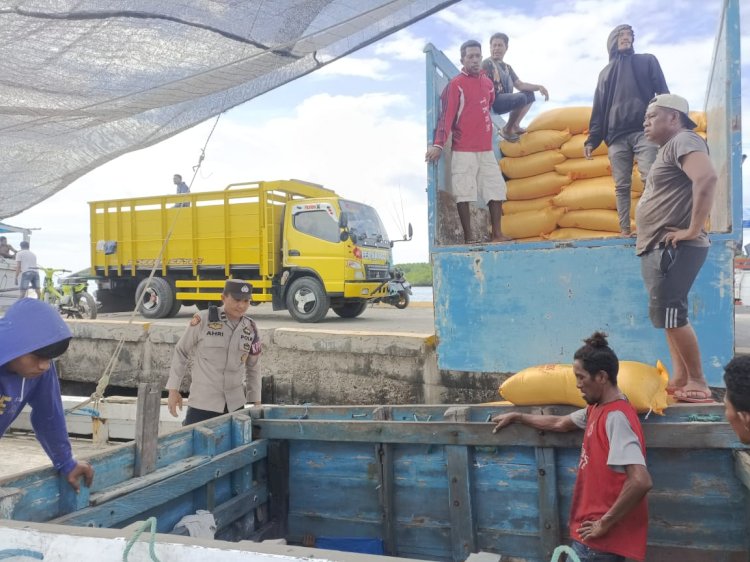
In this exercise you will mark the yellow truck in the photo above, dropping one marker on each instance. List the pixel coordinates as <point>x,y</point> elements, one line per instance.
<point>304,248</point>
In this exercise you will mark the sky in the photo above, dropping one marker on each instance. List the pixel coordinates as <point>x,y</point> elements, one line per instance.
<point>358,125</point>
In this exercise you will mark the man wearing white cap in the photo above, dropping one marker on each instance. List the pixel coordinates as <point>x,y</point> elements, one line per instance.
<point>671,239</point>
<point>225,347</point>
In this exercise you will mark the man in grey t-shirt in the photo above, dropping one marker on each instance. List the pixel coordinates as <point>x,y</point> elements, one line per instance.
<point>671,240</point>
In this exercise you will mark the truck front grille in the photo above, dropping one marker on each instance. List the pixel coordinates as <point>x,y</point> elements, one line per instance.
<point>377,272</point>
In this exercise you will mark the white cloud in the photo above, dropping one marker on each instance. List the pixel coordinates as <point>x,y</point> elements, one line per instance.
<point>403,45</point>
<point>376,69</point>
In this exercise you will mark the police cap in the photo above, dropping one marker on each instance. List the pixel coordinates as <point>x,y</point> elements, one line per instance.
<point>239,289</point>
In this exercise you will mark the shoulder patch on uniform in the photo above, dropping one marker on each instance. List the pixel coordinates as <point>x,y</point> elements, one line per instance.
<point>195,320</point>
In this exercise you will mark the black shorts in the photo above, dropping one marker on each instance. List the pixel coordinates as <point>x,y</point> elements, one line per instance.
<point>668,274</point>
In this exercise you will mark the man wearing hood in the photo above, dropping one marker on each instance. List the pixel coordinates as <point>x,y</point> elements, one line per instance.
<point>32,334</point>
<point>625,87</point>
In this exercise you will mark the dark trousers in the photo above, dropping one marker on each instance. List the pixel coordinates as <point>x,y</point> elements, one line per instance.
<point>195,415</point>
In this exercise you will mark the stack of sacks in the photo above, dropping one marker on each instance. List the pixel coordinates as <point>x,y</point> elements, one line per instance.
<point>644,385</point>
<point>529,165</point>
<point>553,191</point>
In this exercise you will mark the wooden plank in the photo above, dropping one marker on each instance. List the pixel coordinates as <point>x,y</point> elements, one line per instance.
<point>695,435</point>
<point>463,531</point>
<point>386,485</point>
<point>242,479</point>
<point>549,519</point>
<point>69,500</point>
<point>148,408</point>
<point>239,506</point>
<point>143,499</point>
<point>137,483</point>
<point>278,485</point>
<point>205,442</point>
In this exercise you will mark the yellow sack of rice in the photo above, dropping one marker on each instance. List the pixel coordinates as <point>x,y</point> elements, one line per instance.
<point>593,193</point>
<point>531,223</point>
<point>699,118</point>
<point>533,142</point>
<point>574,119</point>
<point>574,147</point>
<point>513,207</point>
<point>644,385</point>
<point>531,165</point>
<point>579,234</point>
<point>534,187</point>
<point>581,168</point>
<point>591,219</point>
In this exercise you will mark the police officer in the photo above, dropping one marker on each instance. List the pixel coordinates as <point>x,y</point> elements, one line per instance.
<point>225,347</point>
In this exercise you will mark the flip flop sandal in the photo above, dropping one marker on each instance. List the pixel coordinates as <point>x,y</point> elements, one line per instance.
<point>508,137</point>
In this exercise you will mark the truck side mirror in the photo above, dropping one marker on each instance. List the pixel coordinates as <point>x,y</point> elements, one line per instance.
<point>343,220</point>
<point>344,236</point>
<point>411,231</point>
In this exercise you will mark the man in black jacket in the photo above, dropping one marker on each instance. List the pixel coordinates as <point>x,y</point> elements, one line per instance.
<point>625,87</point>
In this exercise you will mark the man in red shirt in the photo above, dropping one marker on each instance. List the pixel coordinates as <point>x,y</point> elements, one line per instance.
<point>465,112</point>
<point>609,514</point>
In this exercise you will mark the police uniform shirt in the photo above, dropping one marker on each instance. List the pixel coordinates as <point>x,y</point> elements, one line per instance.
<point>224,357</point>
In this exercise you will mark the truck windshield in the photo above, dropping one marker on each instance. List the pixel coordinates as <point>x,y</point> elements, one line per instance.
<point>364,224</point>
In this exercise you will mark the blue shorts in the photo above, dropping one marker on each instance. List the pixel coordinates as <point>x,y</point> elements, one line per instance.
<point>508,102</point>
<point>588,554</point>
<point>29,279</point>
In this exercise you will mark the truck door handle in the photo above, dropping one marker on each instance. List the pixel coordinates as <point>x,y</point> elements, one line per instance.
<point>294,252</point>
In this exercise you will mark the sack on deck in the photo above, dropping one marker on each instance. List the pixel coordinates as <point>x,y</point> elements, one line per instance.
<point>579,234</point>
<point>592,219</point>
<point>644,385</point>
<point>531,223</point>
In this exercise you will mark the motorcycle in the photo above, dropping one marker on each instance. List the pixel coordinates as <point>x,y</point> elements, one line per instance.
<point>399,290</point>
<point>71,298</point>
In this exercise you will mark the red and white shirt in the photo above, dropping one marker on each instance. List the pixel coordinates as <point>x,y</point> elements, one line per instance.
<point>465,111</point>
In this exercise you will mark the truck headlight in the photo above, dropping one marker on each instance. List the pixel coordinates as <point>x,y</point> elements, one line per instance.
<point>351,264</point>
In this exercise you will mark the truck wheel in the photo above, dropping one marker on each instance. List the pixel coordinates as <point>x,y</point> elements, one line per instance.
<point>306,300</point>
<point>157,301</point>
<point>202,305</point>
<point>87,306</point>
<point>175,309</point>
<point>350,309</point>
<point>403,301</point>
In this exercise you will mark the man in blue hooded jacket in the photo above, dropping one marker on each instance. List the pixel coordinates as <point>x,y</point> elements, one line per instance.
<point>32,334</point>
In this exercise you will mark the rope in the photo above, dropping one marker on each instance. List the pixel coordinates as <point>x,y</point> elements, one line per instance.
<point>704,418</point>
<point>150,521</point>
<point>103,383</point>
<point>562,549</point>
